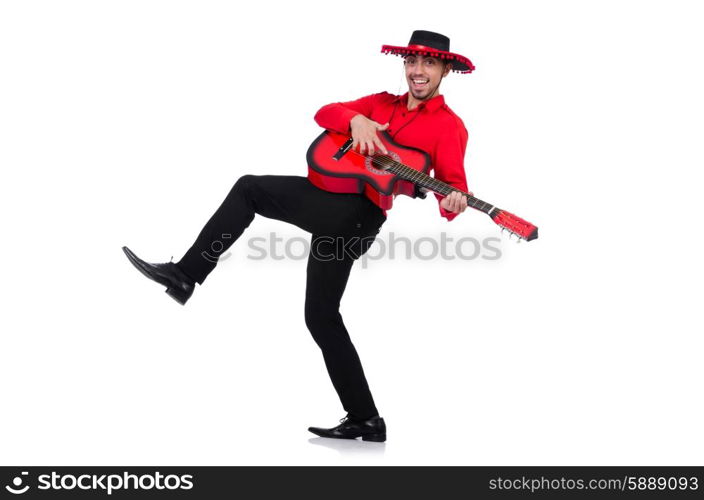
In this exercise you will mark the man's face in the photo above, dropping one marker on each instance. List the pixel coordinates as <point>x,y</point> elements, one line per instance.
<point>423,74</point>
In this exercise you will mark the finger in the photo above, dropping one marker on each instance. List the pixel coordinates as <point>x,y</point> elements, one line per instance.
<point>458,201</point>
<point>355,142</point>
<point>383,127</point>
<point>371,148</point>
<point>453,200</point>
<point>380,145</point>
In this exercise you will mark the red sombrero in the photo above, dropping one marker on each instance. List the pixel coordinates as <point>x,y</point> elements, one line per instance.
<point>431,44</point>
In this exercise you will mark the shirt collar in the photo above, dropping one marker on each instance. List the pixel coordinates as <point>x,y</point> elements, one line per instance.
<point>433,104</point>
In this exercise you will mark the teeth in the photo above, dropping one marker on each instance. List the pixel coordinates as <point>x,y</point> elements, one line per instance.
<point>420,82</point>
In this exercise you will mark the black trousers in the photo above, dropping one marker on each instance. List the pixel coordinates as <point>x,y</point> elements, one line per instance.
<point>342,226</point>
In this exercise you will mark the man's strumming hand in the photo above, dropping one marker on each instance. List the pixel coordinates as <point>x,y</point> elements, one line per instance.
<point>364,134</point>
<point>454,202</point>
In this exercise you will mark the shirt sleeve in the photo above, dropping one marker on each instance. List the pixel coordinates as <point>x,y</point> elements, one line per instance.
<point>449,162</point>
<point>337,116</point>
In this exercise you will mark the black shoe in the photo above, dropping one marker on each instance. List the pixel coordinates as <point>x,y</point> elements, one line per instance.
<point>372,429</point>
<point>178,285</point>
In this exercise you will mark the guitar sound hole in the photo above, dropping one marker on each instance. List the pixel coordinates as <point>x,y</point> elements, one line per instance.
<point>369,164</point>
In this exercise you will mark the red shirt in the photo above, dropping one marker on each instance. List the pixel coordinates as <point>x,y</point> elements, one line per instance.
<point>431,126</point>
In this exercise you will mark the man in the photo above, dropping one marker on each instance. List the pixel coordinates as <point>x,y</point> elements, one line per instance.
<point>419,118</point>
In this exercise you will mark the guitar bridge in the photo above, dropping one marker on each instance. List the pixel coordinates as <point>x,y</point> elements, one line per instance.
<point>343,149</point>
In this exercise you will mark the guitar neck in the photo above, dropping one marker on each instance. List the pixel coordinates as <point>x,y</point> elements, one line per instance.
<point>425,181</point>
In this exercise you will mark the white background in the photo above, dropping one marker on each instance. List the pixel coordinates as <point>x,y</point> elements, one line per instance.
<point>126,123</point>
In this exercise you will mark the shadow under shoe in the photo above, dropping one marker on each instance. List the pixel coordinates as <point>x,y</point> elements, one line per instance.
<point>178,285</point>
<point>372,429</point>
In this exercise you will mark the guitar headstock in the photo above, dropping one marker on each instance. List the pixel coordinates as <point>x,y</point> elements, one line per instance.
<point>514,224</point>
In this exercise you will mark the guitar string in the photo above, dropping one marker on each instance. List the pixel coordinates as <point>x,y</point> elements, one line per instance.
<point>425,180</point>
<point>412,174</point>
<point>419,177</point>
<point>415,175</point>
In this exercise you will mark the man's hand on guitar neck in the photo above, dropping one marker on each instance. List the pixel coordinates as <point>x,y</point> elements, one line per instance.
<point>454,202</point>
<point>364,134</point>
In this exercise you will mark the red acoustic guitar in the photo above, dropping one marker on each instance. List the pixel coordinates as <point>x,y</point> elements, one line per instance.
<point>334,166</point>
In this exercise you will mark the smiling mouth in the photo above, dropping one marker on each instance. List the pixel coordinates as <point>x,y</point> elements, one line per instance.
<point>419,84</point>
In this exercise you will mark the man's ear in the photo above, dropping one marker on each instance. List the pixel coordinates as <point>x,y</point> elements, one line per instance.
<point>448,68</point>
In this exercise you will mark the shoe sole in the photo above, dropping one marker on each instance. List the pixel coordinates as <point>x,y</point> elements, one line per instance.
<point>377,438</point>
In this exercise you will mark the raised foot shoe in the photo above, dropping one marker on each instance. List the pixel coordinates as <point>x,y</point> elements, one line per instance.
<point>178,285</point>
<point>372,429</point>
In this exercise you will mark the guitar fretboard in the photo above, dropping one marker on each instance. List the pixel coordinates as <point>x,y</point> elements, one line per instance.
<point>386,163</point>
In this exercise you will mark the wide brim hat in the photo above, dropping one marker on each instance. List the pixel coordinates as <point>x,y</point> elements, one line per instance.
<point>427,43</point>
